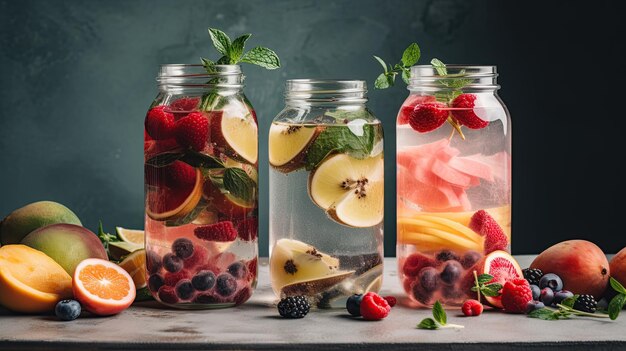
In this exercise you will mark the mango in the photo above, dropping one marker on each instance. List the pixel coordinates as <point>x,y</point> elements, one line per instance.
<point>618,266</point>
<point>30,281</point>
<point>67,244</point>
<point>22,221</point>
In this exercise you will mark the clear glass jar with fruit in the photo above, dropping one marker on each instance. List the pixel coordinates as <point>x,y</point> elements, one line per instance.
<point>326,193</point>
<point>453,182</point>
<point>200,159</point>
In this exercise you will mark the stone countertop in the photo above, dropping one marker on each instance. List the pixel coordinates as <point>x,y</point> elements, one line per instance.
<point>256,325</point>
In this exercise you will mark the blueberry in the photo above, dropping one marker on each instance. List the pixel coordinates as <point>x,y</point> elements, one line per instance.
<point>536,292</point>
<point>238,270</point>
<point>559,296</point>
<point>203,280</point>
<point>354,304</point>
<point>153,261</point>
<point>551,281</point>
<point>182,248</point>
<point>470,258</point>
<point>184,289</point>
<point>226,284</point>
<point>429,279</point>
<point>451,272</point>
<point>446,255</point>
<point>172,263</point>
<point>534,305</point>
<point>67,310</point>
<point>547,296</point>
<point>155,282</point>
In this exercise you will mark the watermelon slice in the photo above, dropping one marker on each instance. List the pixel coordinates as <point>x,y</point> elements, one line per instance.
<point>472,167</point>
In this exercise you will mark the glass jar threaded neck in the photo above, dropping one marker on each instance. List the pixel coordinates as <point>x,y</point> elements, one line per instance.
<point>185,77</point>
<point>427,78</point>
<point>325,92</point>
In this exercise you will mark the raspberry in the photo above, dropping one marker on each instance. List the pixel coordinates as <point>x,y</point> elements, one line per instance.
<point>391,300</point>
<point>472,308</point>
<point>428,117</point>
<point>220,231</point>
<point>170,279</point>
<point>199,256</point>
<point>515,295</point>
<point>248,229</point>
<point>242,296</point>
<point>483,224</point>
<point>409,106</point>
<point>374,307</point>
<point>192,131</point>
<point>467,116</point>
<point>415,262</point>
<point>159,123</point>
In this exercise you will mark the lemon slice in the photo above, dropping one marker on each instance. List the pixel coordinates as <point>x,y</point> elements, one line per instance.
<point>133,236</point>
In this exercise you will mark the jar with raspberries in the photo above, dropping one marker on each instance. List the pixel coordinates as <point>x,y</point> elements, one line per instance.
<point>453,181</point>
<point>200,163</point>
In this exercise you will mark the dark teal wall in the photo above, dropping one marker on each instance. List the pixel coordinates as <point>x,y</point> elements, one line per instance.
<point>76,78</point>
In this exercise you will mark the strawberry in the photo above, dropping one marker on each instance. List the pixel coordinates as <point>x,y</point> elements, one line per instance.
<point>192,131</point>
<point>220,231</point>
<point>409,106</point>
<point>516,294</point>
<point>428,117</point>
<point>483,224</point>
<point>466,115</point>
<point>159,123</point>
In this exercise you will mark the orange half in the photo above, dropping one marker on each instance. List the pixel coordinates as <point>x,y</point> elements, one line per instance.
<point>103,287</point>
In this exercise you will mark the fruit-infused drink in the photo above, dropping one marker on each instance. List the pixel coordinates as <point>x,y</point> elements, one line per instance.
<point>453,181</point>
<point>326,193</point>
<point>201,188</point>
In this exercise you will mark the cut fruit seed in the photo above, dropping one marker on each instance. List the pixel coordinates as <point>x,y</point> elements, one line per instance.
<point>288,145</point>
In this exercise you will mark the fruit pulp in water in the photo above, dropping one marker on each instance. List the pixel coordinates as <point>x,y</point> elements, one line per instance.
<point>442,182</point>
<point>326,211</point>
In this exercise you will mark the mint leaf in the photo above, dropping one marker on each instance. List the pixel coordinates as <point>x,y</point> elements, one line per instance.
<point>491,290</point>
<point>348,115</point>
<point>439,66</point>
<point>239,184</point>
<point>165,159</point>
<point>617,286</point>
<point>570,301</point>
<point>545,314</point>
<point>428,323</point>
<point>382,63</point>
<point>224,60</point>
<point>411,55</point>
<point>198,159</point>
<point>439,314</point>
<point>406,76</point>
<point>221,41</point>
<point>340,139</point>
<point>263,57</point>
<point>236,48</point>
<point>208,65</point>
<point>616,305</point>
<point>381,82</point>
<point>484,278</point>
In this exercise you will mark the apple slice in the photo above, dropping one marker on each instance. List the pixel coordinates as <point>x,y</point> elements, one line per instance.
<point>288,144</point>
<point>349,189</point>
<point>236,134</point>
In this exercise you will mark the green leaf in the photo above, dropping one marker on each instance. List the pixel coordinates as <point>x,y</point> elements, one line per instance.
<point>190,217</point>
<point>236,48</point>
<point>340,139</point>
<point>570,301</point>
<point>439,314</point>
<point>198,159</point>
<point>239,184</point>
<point>406,76</point>
<point>439,66</point>
<point>211,101</point>
<point>616,305</point>
<point>221,41</point>
<point>263,57</point>
<point>617,286</point>
<point>411,55</point>
<point>484,278</point>
<point>382,63</point>
<point>224,60</point>
<point>381,82</point>
<point>545,314</point>
<point>491,290</point>
<point>348,115</point>
<point>208,65</point>
<point>428,323</point>
<point>164,159</point>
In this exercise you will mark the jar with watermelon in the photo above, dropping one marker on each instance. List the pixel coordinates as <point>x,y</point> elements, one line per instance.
<point>200,162</point>
<point>453,182</point>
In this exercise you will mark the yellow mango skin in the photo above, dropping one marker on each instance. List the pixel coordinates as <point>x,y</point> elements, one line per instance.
<point>30,281</point>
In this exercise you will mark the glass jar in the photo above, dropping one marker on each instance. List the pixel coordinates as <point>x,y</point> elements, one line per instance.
<point>453,181</point>
<point>326,193</point>
<point>200,159</point>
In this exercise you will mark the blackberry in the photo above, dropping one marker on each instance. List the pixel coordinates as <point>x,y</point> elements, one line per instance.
<point>533,275</point>
<point>586,303</point>
<point>294,307</point>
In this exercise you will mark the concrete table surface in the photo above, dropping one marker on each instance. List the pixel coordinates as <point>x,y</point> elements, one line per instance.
<point>256,325</point>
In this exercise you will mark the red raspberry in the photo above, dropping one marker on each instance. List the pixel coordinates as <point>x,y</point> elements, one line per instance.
<point>467,116</point>
<point>170,279</point>
<point>199,257</point>
<point>391,300</point>
<point>193,131</point>
<point>374,307</point>
<point>409,106</point>
<point>515,295</point>
<point>159,123</point>
<point>472,308</point>
<point>483,224</point>
<point>415,262</point>
<point>248,229</point>
<point>427,117</point>
<point>220,231</point>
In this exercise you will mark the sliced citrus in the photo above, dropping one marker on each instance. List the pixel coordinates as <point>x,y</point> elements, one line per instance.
<point>288,144</point>
<point>120,249</point>
<point>133,236</point>
<point>168,203</point>
<point>102,287</point>
<point>350,189</point>
<point>236,129</point>
<point>135,265</point>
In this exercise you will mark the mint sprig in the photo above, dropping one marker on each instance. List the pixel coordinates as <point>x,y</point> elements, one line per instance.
<point>340,140</point>
<point>233,52</point>
<point>106,238</point>
<point>439,320</point>
<point>483,287</point>
<point>617,302</point>
<point>564,310</point>
<point>410,56</point>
